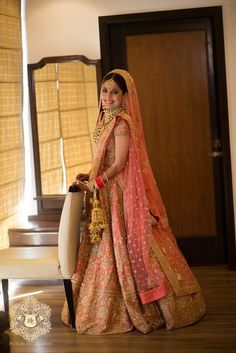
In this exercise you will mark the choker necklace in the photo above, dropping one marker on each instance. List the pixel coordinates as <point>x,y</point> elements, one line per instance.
<point>108,115</point>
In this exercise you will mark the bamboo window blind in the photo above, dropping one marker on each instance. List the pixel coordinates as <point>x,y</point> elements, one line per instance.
<point>66,103</point>
<point>11,132</point>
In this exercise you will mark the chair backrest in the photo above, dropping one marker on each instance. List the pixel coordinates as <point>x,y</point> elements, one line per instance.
<point>69,233</point>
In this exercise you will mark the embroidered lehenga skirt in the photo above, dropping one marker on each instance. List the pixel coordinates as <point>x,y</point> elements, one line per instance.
<point>105,293</point>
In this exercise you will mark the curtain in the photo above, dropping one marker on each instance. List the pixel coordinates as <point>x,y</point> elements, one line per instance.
<point>66,101</point>
<point>11,130</point>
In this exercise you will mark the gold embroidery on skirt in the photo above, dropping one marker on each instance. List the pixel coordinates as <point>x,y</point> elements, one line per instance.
<point>172,276</point>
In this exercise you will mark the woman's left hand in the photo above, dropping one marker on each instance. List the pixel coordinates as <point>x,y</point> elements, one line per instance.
<point>82,185</point>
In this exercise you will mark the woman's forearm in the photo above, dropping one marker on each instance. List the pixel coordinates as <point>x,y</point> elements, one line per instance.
<point>112,171</point>
<point>121,155</point>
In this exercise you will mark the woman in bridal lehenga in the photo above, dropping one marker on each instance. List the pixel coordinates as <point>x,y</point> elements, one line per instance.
<point>135,277</point>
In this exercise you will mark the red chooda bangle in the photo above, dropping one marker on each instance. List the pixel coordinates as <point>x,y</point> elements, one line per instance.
<point>99,182</point>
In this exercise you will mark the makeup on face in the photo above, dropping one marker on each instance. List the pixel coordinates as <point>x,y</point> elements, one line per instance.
<point>111,95</point>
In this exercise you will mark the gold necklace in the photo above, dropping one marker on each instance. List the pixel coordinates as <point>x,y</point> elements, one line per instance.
<point>109,114</point>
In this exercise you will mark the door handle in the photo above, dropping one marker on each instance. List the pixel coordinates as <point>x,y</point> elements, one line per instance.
<point>215,154</point>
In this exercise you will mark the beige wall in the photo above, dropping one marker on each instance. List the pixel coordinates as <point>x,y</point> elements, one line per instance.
<point>66,27</point>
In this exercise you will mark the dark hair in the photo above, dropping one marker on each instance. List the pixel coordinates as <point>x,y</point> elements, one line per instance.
<point>119,80</point>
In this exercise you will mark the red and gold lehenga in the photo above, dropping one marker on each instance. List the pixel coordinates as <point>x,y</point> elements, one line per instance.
<point>136,276</point>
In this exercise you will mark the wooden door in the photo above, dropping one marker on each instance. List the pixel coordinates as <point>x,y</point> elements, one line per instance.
<point>175,73</point>
<point>174,103</point>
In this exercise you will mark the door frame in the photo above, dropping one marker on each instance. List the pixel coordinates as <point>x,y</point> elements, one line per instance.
<point>111,24</point>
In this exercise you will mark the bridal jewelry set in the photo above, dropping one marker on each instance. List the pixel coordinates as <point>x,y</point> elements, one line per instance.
<point>108,115</point>
<point>97,224</point>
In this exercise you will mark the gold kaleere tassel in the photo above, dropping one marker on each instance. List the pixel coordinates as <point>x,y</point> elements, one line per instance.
<point>97,224</point>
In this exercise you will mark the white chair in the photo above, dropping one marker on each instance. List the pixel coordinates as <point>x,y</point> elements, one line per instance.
<point>46,262</point>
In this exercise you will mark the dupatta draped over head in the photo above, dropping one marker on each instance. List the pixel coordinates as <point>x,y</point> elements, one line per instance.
<point>149,238</point>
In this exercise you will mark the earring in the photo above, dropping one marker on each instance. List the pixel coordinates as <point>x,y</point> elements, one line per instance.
<point>124,105</point>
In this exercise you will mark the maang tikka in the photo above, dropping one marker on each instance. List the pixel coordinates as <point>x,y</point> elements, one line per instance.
<point>110,82</point>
